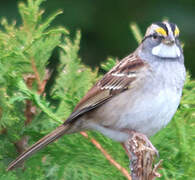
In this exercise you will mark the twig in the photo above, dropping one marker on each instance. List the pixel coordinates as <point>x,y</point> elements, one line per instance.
<point>29,113</point>
<point>44,82</point>
<point>36,73</point>
<point>108,157</point>
<point>22,144</point>
<point>41,85</point>
<point>30,109</point>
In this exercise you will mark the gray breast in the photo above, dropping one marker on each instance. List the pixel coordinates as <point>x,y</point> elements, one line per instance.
<point>157,101</point>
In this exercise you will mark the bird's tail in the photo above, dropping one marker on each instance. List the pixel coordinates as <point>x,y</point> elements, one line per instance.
<point>54,135</point>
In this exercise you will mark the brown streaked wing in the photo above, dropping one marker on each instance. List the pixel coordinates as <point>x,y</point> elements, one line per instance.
<point>115,81</point>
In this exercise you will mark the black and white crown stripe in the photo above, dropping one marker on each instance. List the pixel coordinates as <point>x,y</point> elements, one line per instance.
<point>168,27</point>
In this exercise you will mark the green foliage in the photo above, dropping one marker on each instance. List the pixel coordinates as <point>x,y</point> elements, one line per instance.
<point>24,53</point>
<point>74,79</point>
<point>109,64</point>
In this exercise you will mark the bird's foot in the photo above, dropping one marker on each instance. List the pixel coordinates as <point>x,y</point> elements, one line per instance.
<point>134,135</point>
<point>147,141</point>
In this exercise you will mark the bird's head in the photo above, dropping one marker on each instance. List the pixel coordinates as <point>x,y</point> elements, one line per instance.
<point>161,39</point>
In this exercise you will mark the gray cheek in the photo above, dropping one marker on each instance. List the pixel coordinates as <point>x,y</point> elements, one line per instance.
<point>149,44</point>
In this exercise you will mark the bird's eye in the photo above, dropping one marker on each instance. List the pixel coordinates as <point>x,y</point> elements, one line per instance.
<point>155,36</point>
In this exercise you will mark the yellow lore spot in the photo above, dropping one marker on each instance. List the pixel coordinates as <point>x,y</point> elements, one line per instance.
<point>161,31</point>
<point>176,33</point>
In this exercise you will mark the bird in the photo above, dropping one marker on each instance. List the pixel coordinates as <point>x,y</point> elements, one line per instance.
<point>141,93</point>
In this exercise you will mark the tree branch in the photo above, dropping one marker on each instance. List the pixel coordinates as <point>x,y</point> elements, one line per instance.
<point>41,84</point>
<point>44,82</point>
<point>30,110</point>
<point>36,74</point>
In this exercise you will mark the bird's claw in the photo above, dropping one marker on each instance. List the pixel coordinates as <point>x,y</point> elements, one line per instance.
<point>145,138</point>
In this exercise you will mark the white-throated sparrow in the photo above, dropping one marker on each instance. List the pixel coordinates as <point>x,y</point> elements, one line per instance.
<point>141,93</point>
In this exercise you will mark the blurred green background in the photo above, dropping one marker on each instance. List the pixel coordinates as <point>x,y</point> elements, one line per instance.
<point>105,24</point>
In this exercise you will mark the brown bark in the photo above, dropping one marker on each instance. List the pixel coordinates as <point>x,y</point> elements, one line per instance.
<point>30,110</point>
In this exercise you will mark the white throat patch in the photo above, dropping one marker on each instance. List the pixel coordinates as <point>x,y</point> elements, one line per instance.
<point>166,51</point>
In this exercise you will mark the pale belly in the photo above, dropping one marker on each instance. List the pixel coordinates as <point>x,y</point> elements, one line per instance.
<point>150,112</point>
<point>146,113</point>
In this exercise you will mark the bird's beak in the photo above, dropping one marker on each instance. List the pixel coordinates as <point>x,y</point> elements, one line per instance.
<point>169,40</point>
